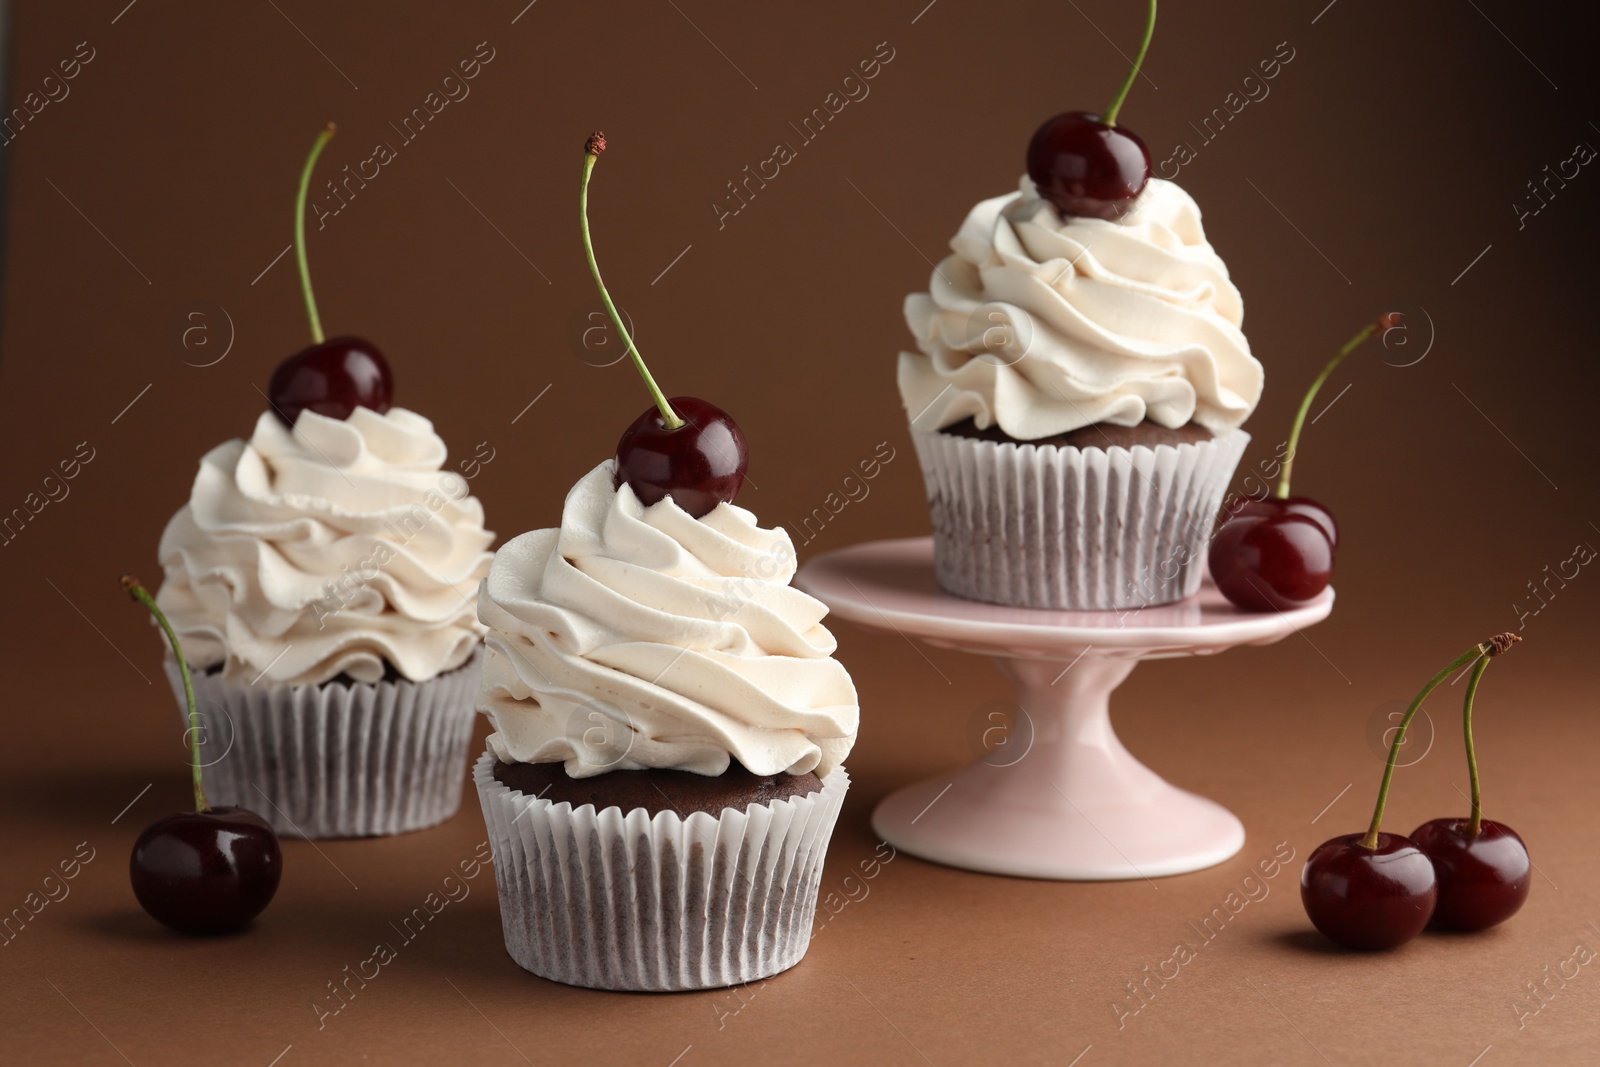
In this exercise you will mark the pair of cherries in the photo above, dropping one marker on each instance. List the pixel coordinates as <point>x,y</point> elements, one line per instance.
<point>1378,890</point>
<point>1442,875</point>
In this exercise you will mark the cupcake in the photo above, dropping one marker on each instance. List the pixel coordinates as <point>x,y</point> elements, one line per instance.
<point>1079,380</point>
<point>321,580</point>
<point>669,728</point>
<point>670,724</point>
<point>1075,401</point>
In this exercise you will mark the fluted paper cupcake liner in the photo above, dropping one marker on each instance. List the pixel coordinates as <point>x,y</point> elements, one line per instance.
<point>338,759</point>
<point>614,900</point>
<point>1073,529</point>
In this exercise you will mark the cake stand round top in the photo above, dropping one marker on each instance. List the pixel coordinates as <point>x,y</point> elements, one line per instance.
<point>890,585</point>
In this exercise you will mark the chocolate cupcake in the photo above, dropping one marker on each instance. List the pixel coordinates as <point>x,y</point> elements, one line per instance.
<point>1075,401</point>
<point>669,722</point>
<point>320,579</point>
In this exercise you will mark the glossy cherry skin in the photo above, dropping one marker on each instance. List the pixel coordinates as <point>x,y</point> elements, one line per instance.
<point>700,464</point>
<point>1293,505</point>
<point>1483,880</point>
<point>333,379</point>
<point>1085,167</point>
<point>1369,898</point>
<point>206,873</point>
<point>1271,562</point>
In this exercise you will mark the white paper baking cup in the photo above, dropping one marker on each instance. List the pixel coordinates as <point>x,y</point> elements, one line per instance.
<point>337,760</point>
<point>614,900</point>
<point>1073,529</point>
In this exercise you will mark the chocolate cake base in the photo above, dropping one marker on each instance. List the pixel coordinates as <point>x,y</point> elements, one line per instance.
<point>655,790</point>
<point>1073,528</point>
<point>1095,435</point>
<point>631,901</point>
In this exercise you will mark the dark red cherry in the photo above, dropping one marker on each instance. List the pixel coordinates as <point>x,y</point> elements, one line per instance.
<point>1085,167</point>
<point>1294,505</point>
<point>700,464</point>
<point>1483,880</point>
<point>1271,562</point>
<point>1369,898</point>
<point>333,379</point>
<point>206,872</point>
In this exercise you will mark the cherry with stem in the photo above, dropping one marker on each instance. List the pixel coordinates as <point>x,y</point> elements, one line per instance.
<point>1277,553</point>
<point>210,870</point>
<point>1087,165</point>
<point>1378,890</point>
<point>1483,866</point>
<point>333,376</point>
<point>684,447</point>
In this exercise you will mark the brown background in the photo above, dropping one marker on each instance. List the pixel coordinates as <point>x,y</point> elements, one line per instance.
<point>1387,156</point>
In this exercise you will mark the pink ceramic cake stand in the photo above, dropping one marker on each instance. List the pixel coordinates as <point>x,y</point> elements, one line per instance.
<point>1062,798</point>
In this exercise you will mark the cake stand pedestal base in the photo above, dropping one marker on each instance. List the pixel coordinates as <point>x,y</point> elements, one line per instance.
<point>1059,797</point>
<point>1076,804</point>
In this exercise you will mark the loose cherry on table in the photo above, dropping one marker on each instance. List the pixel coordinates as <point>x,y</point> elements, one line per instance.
<point>1378,890</point>
<point>206,872</point>
<point>1483,866</point>
<point>1087,165</point>
<point>1277,553</point>
<point>333,376</point>
<point>684,448</point>
<point>210,870</point>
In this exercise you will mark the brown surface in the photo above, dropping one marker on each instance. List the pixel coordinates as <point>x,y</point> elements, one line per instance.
<point>1095,435</point>
<point>655,790</point>
<point>1397,141</point>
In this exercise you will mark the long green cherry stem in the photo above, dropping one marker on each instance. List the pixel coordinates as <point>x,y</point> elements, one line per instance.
<point>1282,492</point>
<point>1110,117</point>
<point>1476,822</point>
<point>591,152</point>
<point>131,586</point>
<point>300,231</point>
<point>1499,645</point>
<point>1475,652</point>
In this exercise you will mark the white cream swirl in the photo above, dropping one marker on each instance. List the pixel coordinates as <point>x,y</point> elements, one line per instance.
<point>1043,325</point>
<point>637,637</point>
<point>335,547</point>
